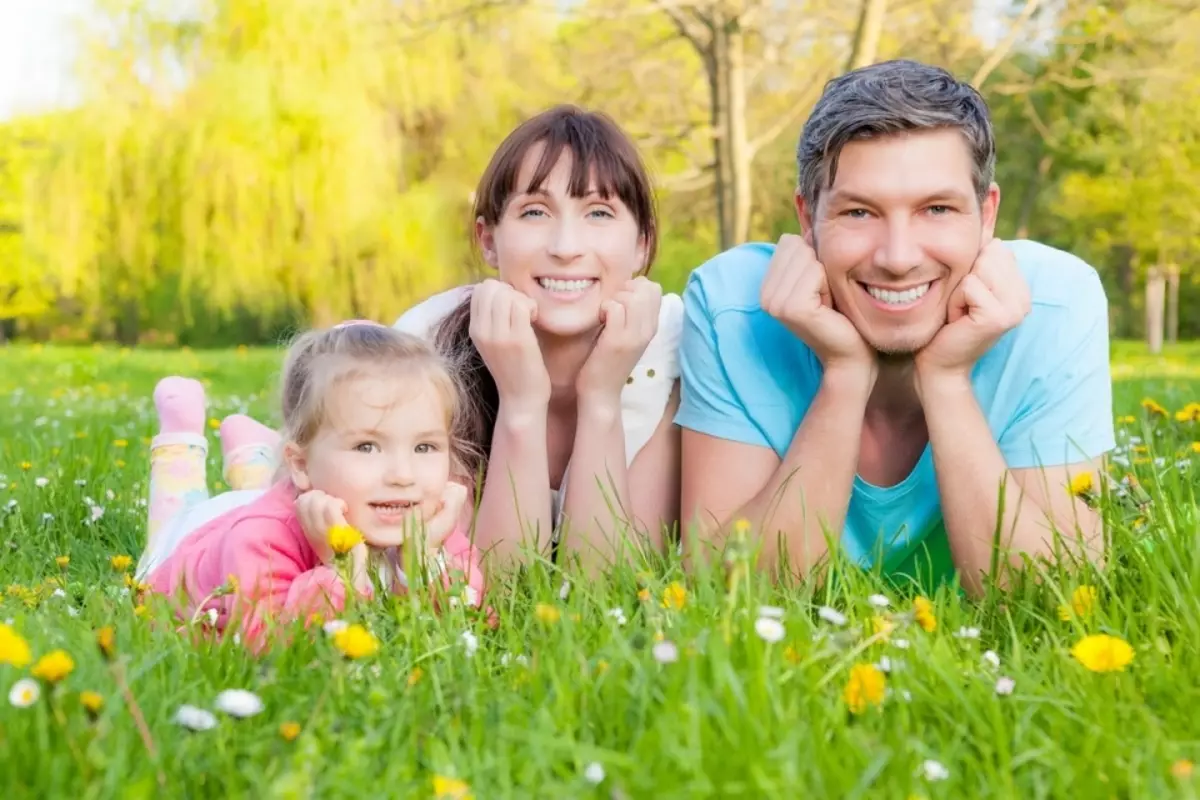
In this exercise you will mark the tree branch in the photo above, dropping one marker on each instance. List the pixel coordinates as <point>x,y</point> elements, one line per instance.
<point>1001,50</point>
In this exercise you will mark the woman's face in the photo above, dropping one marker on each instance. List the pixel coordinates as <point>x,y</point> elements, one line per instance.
<point>569,254</point>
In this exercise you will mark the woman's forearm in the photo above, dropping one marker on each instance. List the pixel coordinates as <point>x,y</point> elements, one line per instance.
<point>597,510</point>
<point>515,508</point>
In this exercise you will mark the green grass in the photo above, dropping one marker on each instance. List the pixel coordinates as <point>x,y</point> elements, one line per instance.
<point>733,717</point>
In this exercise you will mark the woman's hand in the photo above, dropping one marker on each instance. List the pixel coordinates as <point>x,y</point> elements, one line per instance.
<point>630,322</point>
<point>502,330</point>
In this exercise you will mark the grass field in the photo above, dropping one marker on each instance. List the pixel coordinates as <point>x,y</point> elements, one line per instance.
<point>649,684</point>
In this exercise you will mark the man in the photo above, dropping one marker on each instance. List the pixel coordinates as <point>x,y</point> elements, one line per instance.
<point>897,375</point>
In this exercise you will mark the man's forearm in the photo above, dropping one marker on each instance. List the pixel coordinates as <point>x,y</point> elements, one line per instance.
<point>972,479</point>
<point>597,503</point>
<point>810,491</point>
<point>516,496</point>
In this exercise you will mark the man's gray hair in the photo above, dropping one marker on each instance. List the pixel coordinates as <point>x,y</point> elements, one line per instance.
<point>889,98</point>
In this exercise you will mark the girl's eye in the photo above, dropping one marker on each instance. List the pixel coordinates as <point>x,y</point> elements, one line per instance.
<point>425,447</point>
<point>366,447</point>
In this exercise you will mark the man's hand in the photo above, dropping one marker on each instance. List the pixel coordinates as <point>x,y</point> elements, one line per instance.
<point>796,292</point>
<point>992,299</point>
<point>318,512</point>
<point>630,320</point>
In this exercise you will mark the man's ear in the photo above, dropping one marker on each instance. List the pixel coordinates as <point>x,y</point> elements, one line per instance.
<point>989,212</point>
<point>297,465</point>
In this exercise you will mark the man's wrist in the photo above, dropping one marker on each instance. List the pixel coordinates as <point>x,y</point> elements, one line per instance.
<point>934,385</point>
<point>848,380</point>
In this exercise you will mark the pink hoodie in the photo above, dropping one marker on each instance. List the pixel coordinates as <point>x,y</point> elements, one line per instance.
<point>279,576</point>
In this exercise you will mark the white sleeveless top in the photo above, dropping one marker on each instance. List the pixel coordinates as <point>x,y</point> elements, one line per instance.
<point>646,393</point>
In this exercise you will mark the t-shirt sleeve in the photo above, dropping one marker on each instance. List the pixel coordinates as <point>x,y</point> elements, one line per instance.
<point>708,403</point>
<point>421,319</point>
<point>1066,415</point>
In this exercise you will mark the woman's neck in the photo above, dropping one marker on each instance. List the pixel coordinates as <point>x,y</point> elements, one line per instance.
<point>564,358</point>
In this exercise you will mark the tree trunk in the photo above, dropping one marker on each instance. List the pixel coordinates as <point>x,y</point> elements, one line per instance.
<point>1155,294</point>
<point>737,146</point>
<point>1029,201</point>
<point>1123,256</point>
<point>717,62</point>
<point>1173,303</point>
<point>866,35</point>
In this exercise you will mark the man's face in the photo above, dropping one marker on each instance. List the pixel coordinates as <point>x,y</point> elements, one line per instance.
<point>898,230</point>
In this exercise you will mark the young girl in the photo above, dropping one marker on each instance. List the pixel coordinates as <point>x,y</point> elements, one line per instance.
<point>369,415</point>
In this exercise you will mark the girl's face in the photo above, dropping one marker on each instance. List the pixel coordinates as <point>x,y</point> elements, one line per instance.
<point>384,450</point>
<point>569,254</point>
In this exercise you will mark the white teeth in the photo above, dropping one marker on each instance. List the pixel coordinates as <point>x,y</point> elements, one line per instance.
<point>899,298</point>
<point>556,285</point>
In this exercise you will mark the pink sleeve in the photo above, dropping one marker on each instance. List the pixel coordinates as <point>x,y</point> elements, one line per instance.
<point>279,580</point>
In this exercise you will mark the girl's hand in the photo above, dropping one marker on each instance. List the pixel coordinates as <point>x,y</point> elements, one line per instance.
<point>318,512</point>
<point>446,518</point>
<point>502,330</point>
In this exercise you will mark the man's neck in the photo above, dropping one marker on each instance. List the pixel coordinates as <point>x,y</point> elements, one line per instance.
<point>894,398</point>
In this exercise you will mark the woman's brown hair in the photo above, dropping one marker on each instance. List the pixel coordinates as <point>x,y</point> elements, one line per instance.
<point>603,157</point>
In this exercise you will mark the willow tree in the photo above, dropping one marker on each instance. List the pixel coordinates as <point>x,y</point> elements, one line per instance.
<point>282,157</point>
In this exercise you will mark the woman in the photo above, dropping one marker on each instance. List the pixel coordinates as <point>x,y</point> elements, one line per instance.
<point>570,351</point>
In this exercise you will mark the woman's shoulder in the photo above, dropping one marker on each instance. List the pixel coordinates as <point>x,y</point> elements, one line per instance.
<point>425,315</point>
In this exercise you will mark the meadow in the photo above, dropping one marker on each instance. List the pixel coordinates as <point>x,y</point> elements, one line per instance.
<point>650,683</point>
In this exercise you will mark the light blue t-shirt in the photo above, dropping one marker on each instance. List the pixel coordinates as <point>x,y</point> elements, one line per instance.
<point>1044,387</point>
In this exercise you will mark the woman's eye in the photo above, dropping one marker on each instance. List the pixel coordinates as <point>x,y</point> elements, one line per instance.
<point>529,212</point>
<point>604,213</point>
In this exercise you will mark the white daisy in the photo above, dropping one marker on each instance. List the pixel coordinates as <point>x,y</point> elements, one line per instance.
<point>831,615</point>
<point>934,770</point>
<point>967,633</point>
<point>41,482</point>
<point>665,652</point>
<point>770,612</point>
<point>594,773</point>
<point>335,626</point>
<point>238,703</point>
<point>991,659</point>
<point>196,719</point>
<point>618,614</point>
<point>470,643</point>
<point>24,693</point>
<point>564,590</point>
<point>878,601</point>
<point>1005,686</point>
<point>900,644</point>
<point>769,629</point>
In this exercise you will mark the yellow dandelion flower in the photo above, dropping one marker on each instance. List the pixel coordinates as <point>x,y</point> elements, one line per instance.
<point>14,649</point>
<point>54,666</point>
<point>643,595</point>
<point>343,539</point>
<point>1128,419</point>
<point>214,423</point>
<point>546,613</point>
<point>106,640</point>
<point>289,731</point>
<point>1196,447</point>
<point>121,563</point>
<point>674,596</point>
<point>1189,413</point>
<point>923,614</point>
<point>415,676</point>
<point>1103,653</point>
<point>92,701</point>
<point>1082,484</point>
<point>139,610</point>
<point>120,443</point>
<point>1153,407</point>
<point>450,788</point>
<point>1182,769</point>
<point>355,641</point>
<point>791,655</point>
<point>62,561</point>
<point>864,688</point>
<point>15,590</point>
<point>25,465</point>
<point>1083,601</point>
<point>741,527</point>
<point>882,626</point>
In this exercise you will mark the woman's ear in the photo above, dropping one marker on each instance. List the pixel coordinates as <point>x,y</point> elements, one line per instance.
<point>297,464</point>
<point>643,254</point>
<point>485,235</point>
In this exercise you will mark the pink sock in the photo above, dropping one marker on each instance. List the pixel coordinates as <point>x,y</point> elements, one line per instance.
<point>180,405</point>
<point>238,430</point>
<point>249,450</point>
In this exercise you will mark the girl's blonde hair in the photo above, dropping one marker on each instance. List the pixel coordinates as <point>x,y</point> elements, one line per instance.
<point>319,360</point>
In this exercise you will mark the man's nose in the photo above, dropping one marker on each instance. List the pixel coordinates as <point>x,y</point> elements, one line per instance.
<point>900,252</point>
